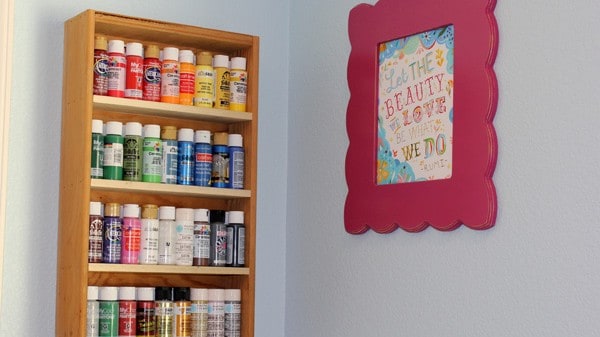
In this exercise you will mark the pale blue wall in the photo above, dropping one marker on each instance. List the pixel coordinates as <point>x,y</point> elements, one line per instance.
<point>31,220</point>
<point>535,274</point>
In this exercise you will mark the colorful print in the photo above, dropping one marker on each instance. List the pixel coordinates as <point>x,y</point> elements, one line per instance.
<point>415,107</point>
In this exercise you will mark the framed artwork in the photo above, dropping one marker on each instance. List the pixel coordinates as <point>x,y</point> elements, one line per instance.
<point>423,95</point>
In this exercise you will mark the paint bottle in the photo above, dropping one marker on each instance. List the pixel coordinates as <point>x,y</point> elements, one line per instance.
<point>220,160</point>
<point>152,69</point>
<point>203,158</point>
<point>169,91</point>
<point>132,231</point>
<point>109,312</point>
<point>168,135</point>
<point>233,313</point>
<point>187,76</point>
<point>182,313</point>
<point>218,238</point>
<point>236,161</point>
<point>205,81</point>
<point>113,233</point>
<point>134,74</point>
<point>149,235</point>
<point>216,313</point>
<point>164,311</point>
<point>201,237</point>
<point>95,233</point>
<point>113,151</point>
<point>145,322</point>
<point>152,154</point>
<point>238,80</point>
<point>167,235</point>
<point>93,312</point>
<point>117,67</point>
<point>222,92</point>
<point>199,298</point>
<point>236,239</point>
<point>127,311</point>
<point>97,170</point>
<point>184,222</point>
<point>185,157</point>
<point>132,152</point>
<point>100,66</point>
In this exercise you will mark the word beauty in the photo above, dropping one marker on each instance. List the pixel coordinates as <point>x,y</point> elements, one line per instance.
<point>415,107</point>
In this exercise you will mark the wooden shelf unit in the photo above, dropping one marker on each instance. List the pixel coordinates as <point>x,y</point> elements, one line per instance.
<point>77,189</point>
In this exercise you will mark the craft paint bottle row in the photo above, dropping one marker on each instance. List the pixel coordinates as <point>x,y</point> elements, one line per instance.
<point>165,235</point>
<point>164,154</point>
<point>163,312</point>
<point>169,75</point>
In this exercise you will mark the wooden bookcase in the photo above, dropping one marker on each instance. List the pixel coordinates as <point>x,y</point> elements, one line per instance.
<point>77,189</point>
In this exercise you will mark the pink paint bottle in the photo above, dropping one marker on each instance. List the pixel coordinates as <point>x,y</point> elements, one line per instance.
<point>132,232</point>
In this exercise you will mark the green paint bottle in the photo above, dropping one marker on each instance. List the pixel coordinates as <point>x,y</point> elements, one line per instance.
<point>132,152</point>
<point>109,312</point>
<point>153,154</point>
<point>97,149</point>
<point>113,151</point>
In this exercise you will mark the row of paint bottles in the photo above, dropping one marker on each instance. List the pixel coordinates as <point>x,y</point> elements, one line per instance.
<point>121,70</point>
<point>165,235</point>
<point>154,154</point>
<point>162,312</point>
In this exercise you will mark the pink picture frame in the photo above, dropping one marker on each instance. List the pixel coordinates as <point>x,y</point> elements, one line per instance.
<point>467,196</point>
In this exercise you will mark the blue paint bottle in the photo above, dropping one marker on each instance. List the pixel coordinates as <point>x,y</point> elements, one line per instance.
<point>113,233</point>
<point>185,157</point>
<point>203,158</point>
<point>220,160</point>
<point>236,161</point>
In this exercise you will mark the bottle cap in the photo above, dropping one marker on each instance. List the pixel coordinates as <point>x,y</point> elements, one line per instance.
<point>100,43</point>
<point>152,51</point>
<point>149,211</point>
<point>163,294</point>
<point>108,293</point>
<point>220,138</point>
<point>126,293</point>
<point>168,133</point>
<point>181,294</point>
<point>114,128</point>
<point>112,209</point>
<point>236,217</point>
<point>217,216</point>
<point>235,139</point>
<point>238,63</point>
<point>166,212</point>
<point>116,46</point>
<point>131,211</point>
<point>204,58</point>
<point>233,295</point>
<point>186,56</point>
<point>215,295</point>
<point>97,126</point>
<point>95,208</point>
<point>184,214</point>
<point>202,136</point>
<point>185,135</point>
<point>152,131</point>
<point>201,214</point>
<point>199,294</point>
<point>133,129</point>
<point>134,49</point>
<point>221,61</point>
<point>171,54</point>
<point>92,293</point>
<point>144,294</point>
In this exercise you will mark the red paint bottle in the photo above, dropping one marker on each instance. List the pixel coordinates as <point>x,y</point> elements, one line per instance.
<point>151,79</point>
<point>135,70</point>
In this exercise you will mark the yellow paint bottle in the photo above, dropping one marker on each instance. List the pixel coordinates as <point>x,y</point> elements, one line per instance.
<point>204,94</point>
<point>221,65</point>
<point>238,79</point>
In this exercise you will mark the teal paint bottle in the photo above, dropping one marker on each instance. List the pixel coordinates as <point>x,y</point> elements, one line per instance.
<point>152,154</point>
<point>113,151</point>
<point>97,170</point>
<point>132,152</point>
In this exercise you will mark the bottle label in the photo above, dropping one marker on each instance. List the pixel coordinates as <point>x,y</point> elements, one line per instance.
<point>185,241</point>
<point>113,154</point>
<point>238,88</point>
<point>117,67</point>
<point>170,81</point>
<point>151,85</point>
<point>236,171</point>
<point>169,167</point>
<point>201,241</point>
<point>127,313</point>
<point>132,158</point>
<point>152,161</point>
<point>204,87</point>
<point>203,164</point>
<point>186,84</point>
<point>111,252</point>
<point>101,73</point>
<point>149,242</point>
<point>220,169</point>
<point>95,240</point>
<point>185,163</point>
<point>241,246</point>
<point>222,89</point>
<point>97,156</point>
<point>134,77</point>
